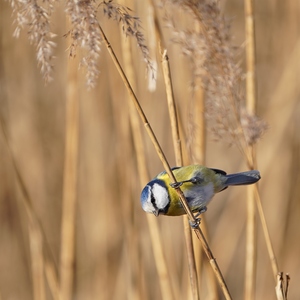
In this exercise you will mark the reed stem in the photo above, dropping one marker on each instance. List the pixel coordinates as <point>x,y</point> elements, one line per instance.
<point>155,234</point>
<point>179,162</point>
<point>34,221</point>
<point>166,165</point>
<point>67,255</point>
<point>251,237</point>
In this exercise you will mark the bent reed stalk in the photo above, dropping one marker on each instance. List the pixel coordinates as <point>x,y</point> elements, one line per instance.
<point>166,165</point>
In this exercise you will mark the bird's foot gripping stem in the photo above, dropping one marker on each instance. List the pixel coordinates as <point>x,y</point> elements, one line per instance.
<point>176,185</point>
<point>196,223</point>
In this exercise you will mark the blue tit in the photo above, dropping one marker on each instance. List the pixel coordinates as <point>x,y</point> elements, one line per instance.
<point>198,184</point>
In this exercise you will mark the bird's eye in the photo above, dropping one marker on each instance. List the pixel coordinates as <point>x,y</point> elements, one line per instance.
<point>196,180</point>
<point>152,199</point>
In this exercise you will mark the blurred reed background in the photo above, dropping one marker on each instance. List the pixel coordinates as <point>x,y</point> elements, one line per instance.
<point>113,256</point>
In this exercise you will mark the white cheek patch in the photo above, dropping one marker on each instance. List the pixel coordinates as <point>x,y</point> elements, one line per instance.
<point>161,196</point>
<point>148,207</point>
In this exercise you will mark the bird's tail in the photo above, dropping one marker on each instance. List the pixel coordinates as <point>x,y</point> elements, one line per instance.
<point>243,178</point>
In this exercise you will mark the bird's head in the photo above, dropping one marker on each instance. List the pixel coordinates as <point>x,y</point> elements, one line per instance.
<point>155,197</point>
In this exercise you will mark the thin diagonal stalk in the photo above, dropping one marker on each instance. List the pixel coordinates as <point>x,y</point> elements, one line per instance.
<point>134,269</point>
<point>271,252</point>
<point>155,235</point>
<point>179,161</point>
<point>166,165</point>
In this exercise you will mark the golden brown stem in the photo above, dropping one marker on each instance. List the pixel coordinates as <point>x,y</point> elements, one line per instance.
<point>166,165</point>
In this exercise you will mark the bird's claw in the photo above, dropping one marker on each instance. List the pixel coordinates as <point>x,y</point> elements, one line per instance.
<point>176,185</point>
<point>196,223</point>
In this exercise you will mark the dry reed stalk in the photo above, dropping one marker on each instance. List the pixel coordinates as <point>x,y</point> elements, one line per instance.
<point>67,254</point>
<point>286,88</point>
<point>37,262</point>
<point>33,219</point>
<point>52,279</point>
<point>282,286</point>
<point>251,246</point>
<point>241,124</point>
<point>166,165</point>
<point>136,272</point>
<point>179,162</point>
<point>130,269</point>
<point>198,123</point>
<point>199,134</point>
<point>175,133</point>
<point>172,108</point>
<point>155,235</point>
<point>271,253</point>
<point>160,261</point>
<point>251,230</point>
<point>197,150</point>
<point>195,289</point>
<point>212,285</point>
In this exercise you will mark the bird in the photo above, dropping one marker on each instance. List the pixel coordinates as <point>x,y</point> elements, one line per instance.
<point>198,183</point>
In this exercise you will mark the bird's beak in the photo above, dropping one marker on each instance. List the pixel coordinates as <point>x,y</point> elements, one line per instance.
<point>156,212</point>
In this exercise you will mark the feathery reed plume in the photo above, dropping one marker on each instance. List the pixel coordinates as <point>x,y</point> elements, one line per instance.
<point>131,26</point>
<point>213,61</point>
<point>85,33</point>
<point>228,115</point>
<point>35,18</point>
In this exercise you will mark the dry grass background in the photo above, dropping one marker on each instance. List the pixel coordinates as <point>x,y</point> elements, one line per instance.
<point>113,252</point>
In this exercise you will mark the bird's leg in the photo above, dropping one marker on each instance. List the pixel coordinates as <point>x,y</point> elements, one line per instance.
<point>202,210</point>
<point>195,224</point>
<point>178,184</point>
